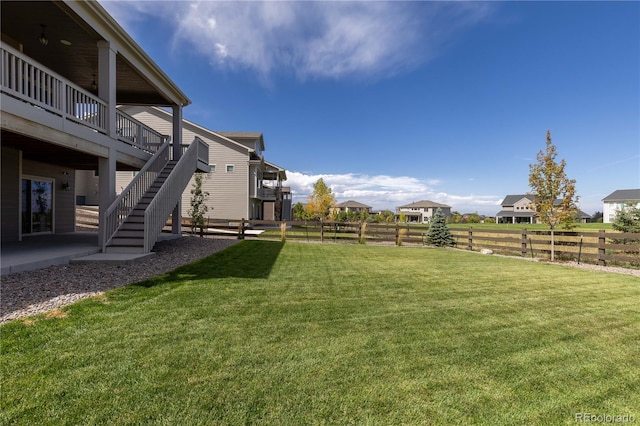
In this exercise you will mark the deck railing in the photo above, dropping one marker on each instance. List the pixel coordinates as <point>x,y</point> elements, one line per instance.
<point>158,211</point>
<point>29,81</point>
<point>267,193</point>
<point>135,133</point>
<point>129,198</point>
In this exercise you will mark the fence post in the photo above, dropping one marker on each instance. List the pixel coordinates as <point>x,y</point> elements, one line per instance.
<point>470,238</point>
<point>241,230</point>
<point>524,242</point>
<point>321,231</point>
<point>397,233</point>
<point>601,247</point>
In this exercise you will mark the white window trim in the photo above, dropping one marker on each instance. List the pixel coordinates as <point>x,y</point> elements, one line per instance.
<point>233,168</point>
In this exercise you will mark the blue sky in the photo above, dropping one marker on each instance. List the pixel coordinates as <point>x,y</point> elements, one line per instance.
<point>395,102</point>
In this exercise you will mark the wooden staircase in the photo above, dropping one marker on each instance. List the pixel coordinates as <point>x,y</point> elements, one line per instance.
<point>130,235</point>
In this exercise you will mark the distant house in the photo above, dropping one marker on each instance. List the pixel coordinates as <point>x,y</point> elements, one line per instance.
<point>617,200</point>
<point>516,209</point>
<point>421,211</point>
<point>351,206</point>
<point>519,209</point>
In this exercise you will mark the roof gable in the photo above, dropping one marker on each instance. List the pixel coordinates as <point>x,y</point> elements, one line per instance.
<point>425,204</point>
<point>623,195</point>
<point>353,204</point>
<point>511,200</point>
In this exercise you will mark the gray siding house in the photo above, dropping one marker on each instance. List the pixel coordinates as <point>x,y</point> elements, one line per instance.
<point>351,206</point>
<point>519,209</point>
<point>241,184</point>
<point>618,200</point>
<point>421,211</point>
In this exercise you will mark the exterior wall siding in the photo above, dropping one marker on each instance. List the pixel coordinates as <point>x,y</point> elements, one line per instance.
<point>610,210</point>
<point>87,187</point>
<point>523,205</point>
<point>10,186</point>
<point>228,192</point>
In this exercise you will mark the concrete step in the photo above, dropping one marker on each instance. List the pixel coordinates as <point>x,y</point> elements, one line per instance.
<point>124,249</point>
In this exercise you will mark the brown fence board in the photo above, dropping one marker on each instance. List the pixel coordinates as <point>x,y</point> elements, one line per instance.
<point>599,246</point>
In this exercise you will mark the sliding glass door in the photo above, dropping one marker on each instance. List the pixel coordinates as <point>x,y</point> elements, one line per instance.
<point>37,205</point>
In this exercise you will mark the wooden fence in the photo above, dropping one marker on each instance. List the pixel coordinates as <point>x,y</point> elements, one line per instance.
<point>602,247</point>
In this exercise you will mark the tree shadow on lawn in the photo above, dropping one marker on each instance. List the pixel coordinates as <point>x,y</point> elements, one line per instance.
<point>249,259</point>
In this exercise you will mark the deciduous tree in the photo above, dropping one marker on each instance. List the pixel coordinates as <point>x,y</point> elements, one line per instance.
<point>320,202</point>
<point>555,195</point>
<point>198,207</point>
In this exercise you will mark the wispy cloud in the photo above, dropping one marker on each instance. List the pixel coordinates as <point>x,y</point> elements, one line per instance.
<point>616,162</point>
<point>309,39</point>
<point>387,192</point>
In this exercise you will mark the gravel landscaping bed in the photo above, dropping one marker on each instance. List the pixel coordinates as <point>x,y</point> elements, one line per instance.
<point>34,292</point>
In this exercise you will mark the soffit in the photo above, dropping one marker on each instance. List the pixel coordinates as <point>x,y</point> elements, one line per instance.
<point>21,20</point>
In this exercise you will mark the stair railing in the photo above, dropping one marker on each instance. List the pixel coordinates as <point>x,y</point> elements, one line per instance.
<point>124,204</point>
<point>158,211</point>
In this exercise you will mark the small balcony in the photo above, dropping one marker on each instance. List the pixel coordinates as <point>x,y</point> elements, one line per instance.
<point>267,194</point>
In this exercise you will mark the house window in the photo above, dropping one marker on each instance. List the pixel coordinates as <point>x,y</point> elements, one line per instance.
<point>213,167</point>
<point>230,168</point>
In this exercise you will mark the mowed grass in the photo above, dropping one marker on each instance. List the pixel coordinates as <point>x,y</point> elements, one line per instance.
<point>273,333</point>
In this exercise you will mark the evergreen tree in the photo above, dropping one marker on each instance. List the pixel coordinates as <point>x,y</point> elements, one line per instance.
<point>627,220</point>
<point>299,212</point>
<point>439,234</point>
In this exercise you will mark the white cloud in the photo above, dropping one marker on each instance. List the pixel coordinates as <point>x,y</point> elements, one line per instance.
<point>308,39</point>
<point>387,192</point>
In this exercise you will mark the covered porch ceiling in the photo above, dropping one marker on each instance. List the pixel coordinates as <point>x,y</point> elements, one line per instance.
<point>72,48</point>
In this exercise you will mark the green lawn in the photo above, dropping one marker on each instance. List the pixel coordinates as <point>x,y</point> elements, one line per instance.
<point>294,333</point>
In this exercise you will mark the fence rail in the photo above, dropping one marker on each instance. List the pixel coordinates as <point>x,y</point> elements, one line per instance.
<point>603,247</point>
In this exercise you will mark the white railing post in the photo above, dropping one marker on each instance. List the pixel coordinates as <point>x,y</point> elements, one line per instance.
<point>168,196</point>
<point>124,204</point>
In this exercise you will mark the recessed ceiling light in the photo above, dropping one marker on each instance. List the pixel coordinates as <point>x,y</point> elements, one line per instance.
<point>65,42</point>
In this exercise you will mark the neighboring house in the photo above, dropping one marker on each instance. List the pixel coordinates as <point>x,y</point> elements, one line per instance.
<point>519,209</point>
<point>66,65</point>
<point>421,211</point>
<point>351,206</point>
<point>241,184</point>
<point>618,200</point>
